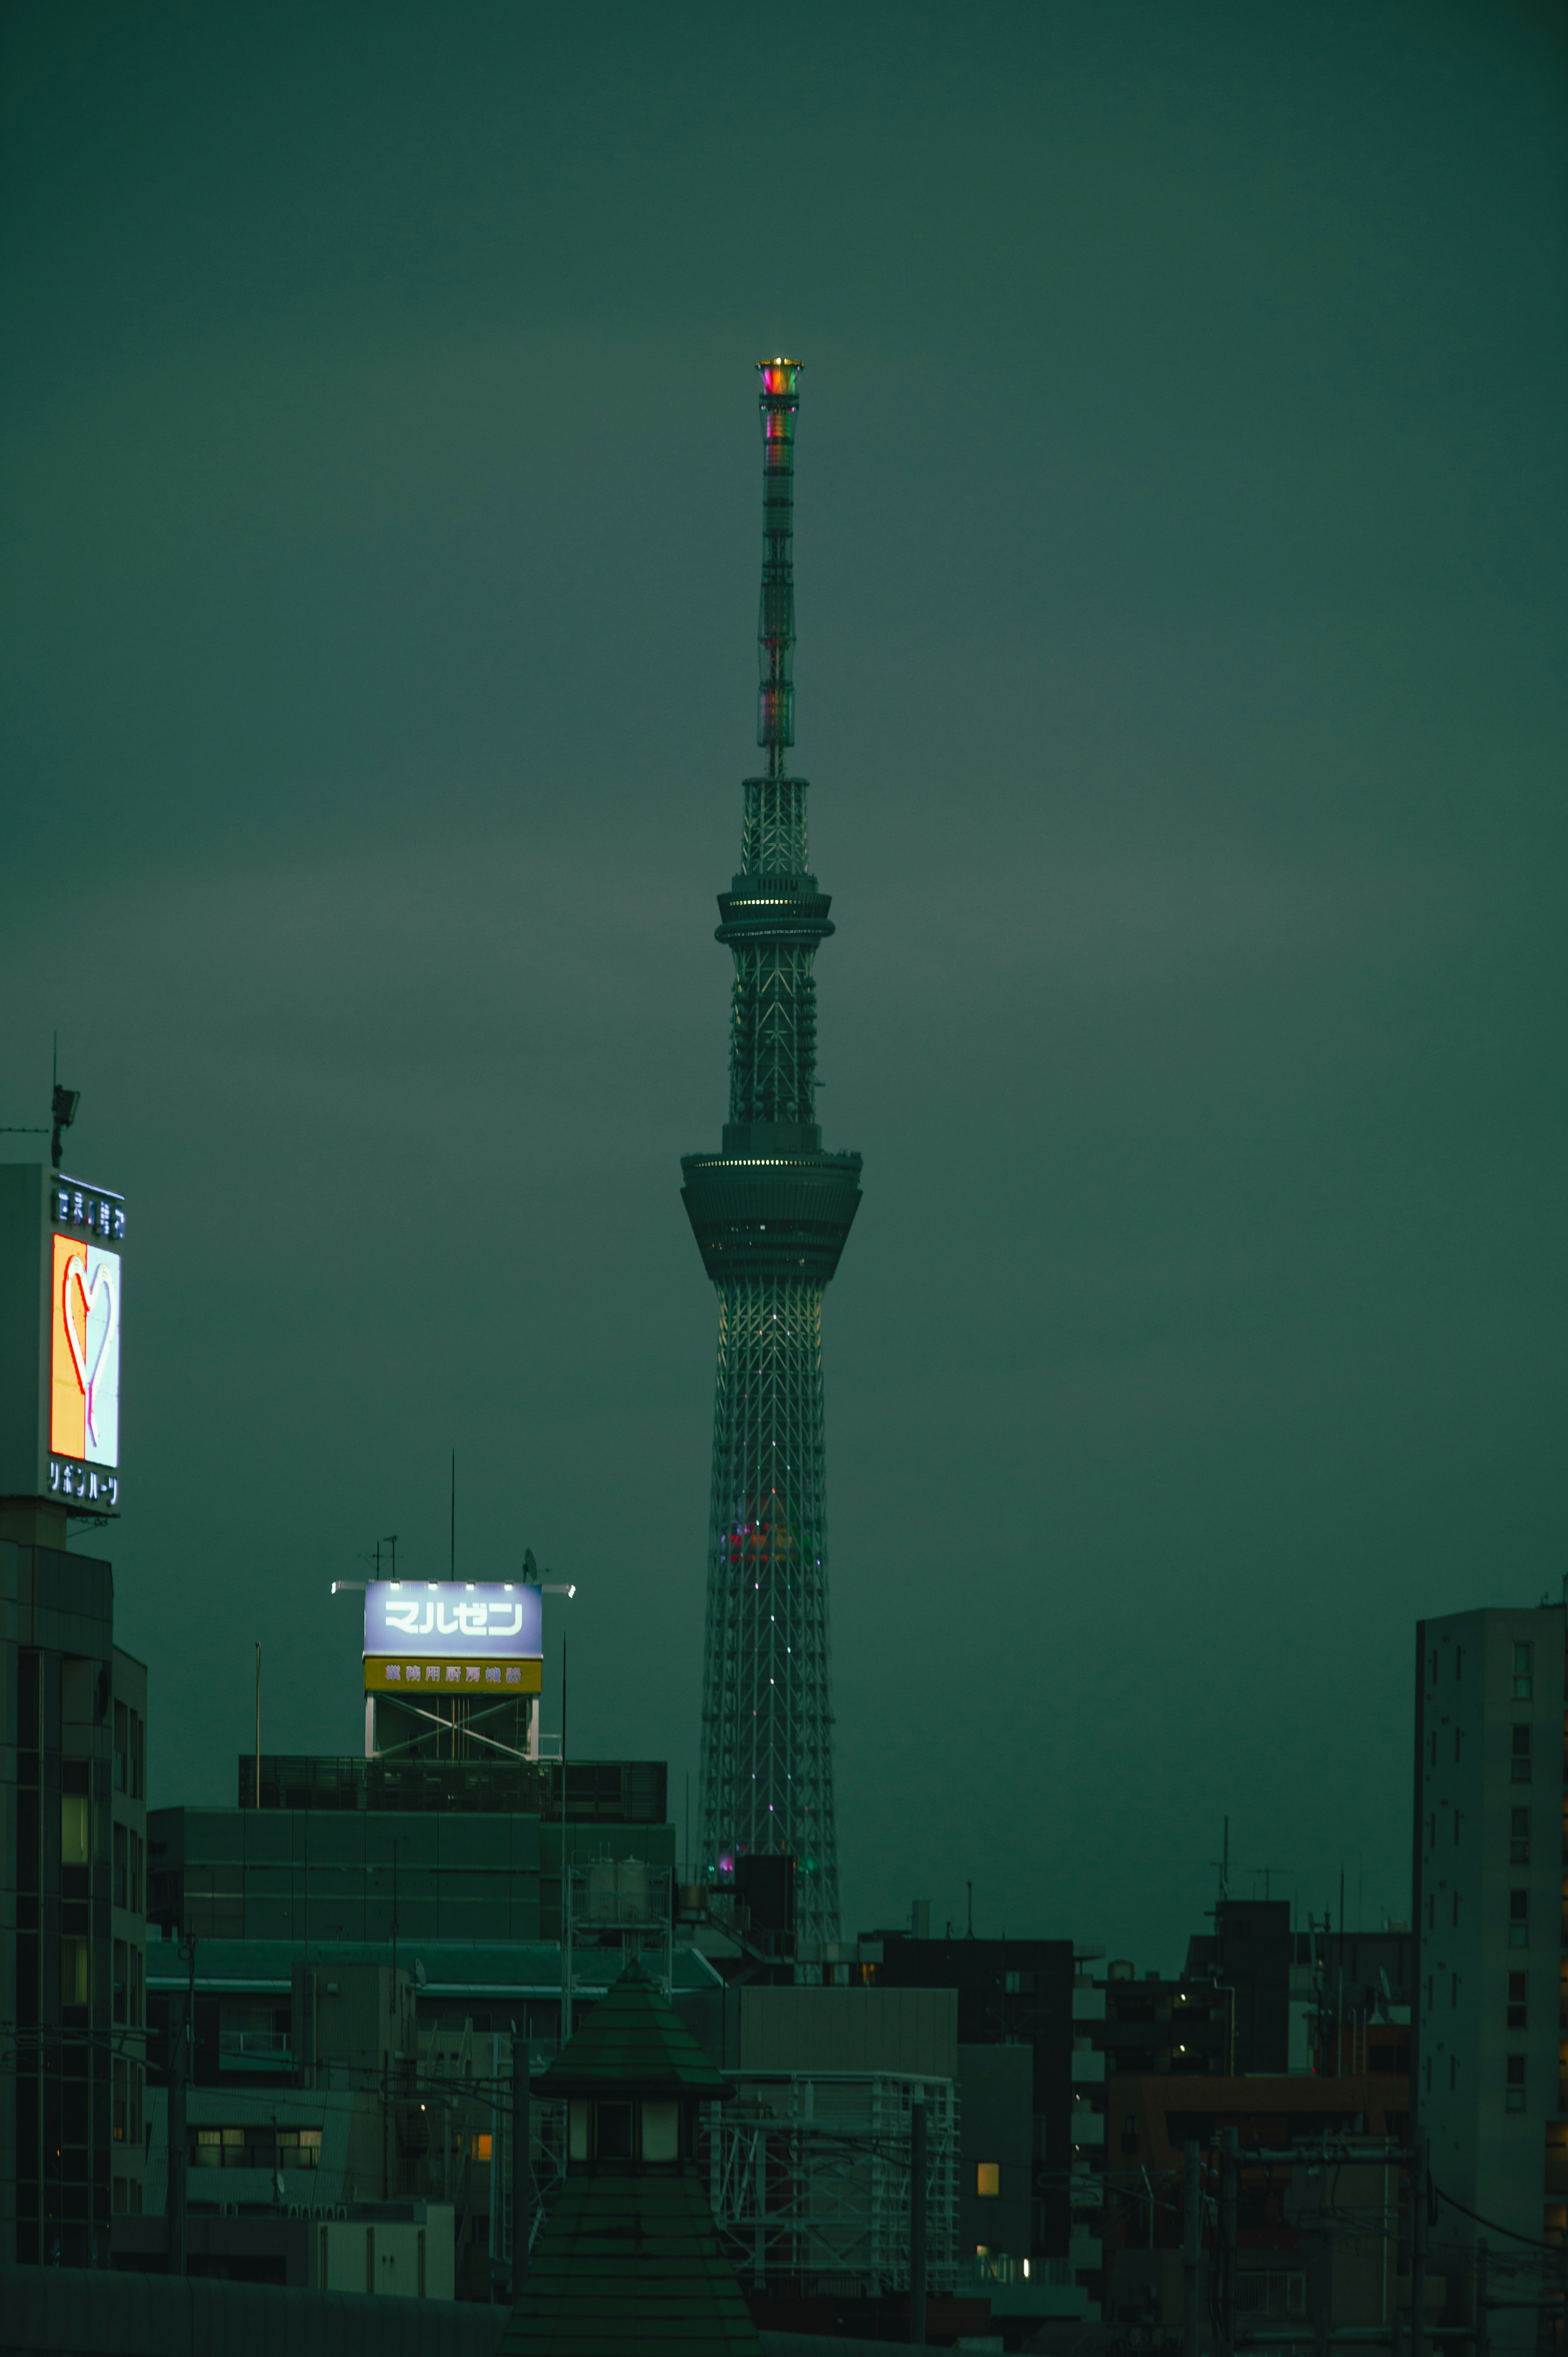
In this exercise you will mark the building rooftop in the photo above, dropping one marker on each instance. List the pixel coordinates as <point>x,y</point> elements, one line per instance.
<point>440,1967</point>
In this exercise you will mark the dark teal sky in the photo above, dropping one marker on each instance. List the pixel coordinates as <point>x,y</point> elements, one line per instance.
<point>1181,531</point>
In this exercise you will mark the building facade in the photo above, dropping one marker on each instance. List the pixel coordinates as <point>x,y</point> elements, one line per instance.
<point>1488,1868</point>
<point>72,1901</point>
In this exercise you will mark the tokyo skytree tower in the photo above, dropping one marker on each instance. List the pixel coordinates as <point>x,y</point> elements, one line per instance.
<point>771,1212</point>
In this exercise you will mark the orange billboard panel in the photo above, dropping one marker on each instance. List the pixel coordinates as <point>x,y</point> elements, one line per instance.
<point>68,1350</point>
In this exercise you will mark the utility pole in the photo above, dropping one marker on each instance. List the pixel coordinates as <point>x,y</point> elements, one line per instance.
<point>182,2034</point>
<point>1191,2248</point>
<point>1322,2296</point>
<point>1418,2244</point>
<point>522,2161</point>
<point>1483,2340</point>
<point>918,2216</point>
<point>174,2197</point>
<point>256,1795</point>
<point>1228,2172</point>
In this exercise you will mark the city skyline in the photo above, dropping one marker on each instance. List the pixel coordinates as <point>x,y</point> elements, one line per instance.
<point>1183,565</point>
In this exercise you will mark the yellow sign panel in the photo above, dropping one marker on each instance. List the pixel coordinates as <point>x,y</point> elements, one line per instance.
<point>491,1680</point>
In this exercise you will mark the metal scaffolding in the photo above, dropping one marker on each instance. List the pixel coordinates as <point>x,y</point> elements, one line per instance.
<point>808,2181</point>
<point>770,1213</point>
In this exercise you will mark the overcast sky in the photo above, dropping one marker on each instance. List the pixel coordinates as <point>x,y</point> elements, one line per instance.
<point>1180,550</point>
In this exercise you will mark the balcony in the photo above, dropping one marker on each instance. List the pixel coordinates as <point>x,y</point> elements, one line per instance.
<point>254,2050</point>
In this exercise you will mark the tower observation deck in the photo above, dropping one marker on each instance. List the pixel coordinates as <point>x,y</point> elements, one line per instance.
<point>771,1212</point>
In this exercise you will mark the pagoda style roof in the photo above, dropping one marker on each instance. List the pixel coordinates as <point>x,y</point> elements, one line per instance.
<point>633,2039</point>
<point>629,2265</point>
<point>628,2262</point>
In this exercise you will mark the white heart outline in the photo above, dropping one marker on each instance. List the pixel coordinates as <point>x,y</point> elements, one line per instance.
<point>76,1267</point>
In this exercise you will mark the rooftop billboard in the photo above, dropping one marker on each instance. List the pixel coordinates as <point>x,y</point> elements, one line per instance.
<point>476,1637</point>
<point>62,1254</point>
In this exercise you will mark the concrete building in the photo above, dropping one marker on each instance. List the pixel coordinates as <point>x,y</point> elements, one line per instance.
<point>1012,1992</point>
<point>127,1836</point>
<point>72,1898</point>
<point>461,1849</point>
<point>1310,2237</point>
<point>1488,1914</point>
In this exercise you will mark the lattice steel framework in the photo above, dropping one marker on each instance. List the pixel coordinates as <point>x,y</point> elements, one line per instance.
<point>771,1212</point>
<point>808,2181</point>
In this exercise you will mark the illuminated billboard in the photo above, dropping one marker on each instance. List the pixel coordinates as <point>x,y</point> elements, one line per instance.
<point>62,1247</point>
<point>480,1639</point>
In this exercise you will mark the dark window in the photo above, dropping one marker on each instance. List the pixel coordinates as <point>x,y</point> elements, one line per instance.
<point>1519,1840</point>
<point>1519,1906</point>
<point>1515,2082</point>
<point>1458,1745</point>
<point>613,2131</point>
<point>1523,1672</point>
<point>1520,1764</point>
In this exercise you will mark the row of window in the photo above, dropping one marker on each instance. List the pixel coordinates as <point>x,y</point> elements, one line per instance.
<point>1519,1921</point>
<point>130,1753</point>
<point>1513,2079</point>
<point>1523,1669</point>
<point>1517,2004</point>
<point>260,2146</point>
<point>130,1869</point>
<point>129,1994</point>
<point>127,2101</point>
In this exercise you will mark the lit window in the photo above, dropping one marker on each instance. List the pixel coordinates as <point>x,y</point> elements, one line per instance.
<point>988,2177</point>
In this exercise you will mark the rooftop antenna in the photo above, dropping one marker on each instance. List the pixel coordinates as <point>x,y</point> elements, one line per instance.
<point>454,1513</point>
<point>970,1932</point>
<point>1223,1863</point>
<point>63,1107</point>
<point>41,1129</point>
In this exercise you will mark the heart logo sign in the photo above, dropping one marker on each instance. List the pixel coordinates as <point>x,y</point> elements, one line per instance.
<point>103,1287</point>
<point>85,1409</point>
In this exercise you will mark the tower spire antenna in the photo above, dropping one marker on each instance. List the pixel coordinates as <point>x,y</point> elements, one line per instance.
<point>771,1212</point>
<point>779,398</point>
